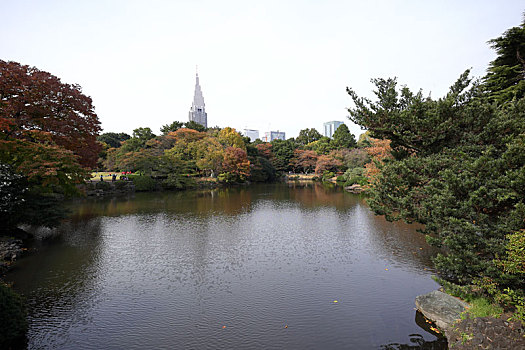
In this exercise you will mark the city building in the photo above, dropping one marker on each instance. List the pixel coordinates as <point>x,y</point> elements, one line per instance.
<point>252,134</point>
<point>269,136</point>
<point>197,111</point>
<point>330,127</point>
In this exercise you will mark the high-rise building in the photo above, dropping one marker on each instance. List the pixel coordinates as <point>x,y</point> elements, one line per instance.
<point>252,134</point>
<point>197,111</point>
<point>269,136</point>
<point>330,127</point>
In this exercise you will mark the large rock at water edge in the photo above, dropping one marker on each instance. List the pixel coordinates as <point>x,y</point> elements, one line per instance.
<point>441,308</point>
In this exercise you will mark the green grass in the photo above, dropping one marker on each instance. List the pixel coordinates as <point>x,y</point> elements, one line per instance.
<point>95,176</point>
<point>482,307</point>
<point>465,337</point>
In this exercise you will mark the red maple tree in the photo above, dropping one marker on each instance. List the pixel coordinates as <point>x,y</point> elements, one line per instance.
<point>37,108</point>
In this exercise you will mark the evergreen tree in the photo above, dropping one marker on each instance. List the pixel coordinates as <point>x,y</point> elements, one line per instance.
<point>343,138</point>
<point>308,135</point>
<point>458,168</point>
<point>282,154</point>
<point>194,125</point>
<point>113,139</point>
<point>505,79</point>
<point>171,127</point>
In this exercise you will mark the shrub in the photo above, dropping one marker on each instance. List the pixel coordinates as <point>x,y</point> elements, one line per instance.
<point>120,184</point>
<point>228,178</point>
<point>355,176</point>
<point>328,175</point>
<point>360,180</point>
<point>13,324</point>
<point>143,182</point>
<point>353,172</point>
<point>178,182</point>
<point>102,185</point>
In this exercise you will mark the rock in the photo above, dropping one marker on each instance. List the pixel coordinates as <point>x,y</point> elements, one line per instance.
<point>10,249</point>
<point>487,333</point>
<point>354,188</point>
<point>441,308</point>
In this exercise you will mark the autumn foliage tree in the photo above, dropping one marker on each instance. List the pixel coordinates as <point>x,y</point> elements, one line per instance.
<point>304,160</point>
<point>48,133</point>
<point>35,103</point>
<point>379,151</point>
<point>327,163</point>
<point>235,165</point>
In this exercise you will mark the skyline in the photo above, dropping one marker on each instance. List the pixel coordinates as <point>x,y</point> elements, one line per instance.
<point>265,66</point>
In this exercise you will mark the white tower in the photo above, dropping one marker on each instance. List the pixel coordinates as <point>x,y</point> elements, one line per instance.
<point>197,111</point>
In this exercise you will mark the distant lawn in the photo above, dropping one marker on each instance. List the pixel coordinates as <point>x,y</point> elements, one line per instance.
<point>105,174</point>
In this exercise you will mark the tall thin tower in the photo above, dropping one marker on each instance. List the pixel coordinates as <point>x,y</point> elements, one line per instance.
<point>198,111</point>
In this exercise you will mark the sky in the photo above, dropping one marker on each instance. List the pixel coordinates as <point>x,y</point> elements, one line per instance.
<point>265,65</point>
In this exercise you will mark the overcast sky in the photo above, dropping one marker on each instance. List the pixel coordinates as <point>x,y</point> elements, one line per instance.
<point>266,65</point>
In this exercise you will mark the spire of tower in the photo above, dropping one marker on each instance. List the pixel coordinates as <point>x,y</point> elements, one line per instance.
<point>198,99</point>
<point>198,111</point>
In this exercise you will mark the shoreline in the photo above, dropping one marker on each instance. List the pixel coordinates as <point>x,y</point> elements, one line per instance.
<point>450,315</point>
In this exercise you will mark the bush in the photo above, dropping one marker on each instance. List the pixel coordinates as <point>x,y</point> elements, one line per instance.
<point>487,298</point>
<point>355,176</point>
<point>13,324</point>
<point>120,184</point>
<point>360,180</point>
<point>178,182</point>
<point>353,172</point>
<point>103,185</point>
<point>328,175</point>
<point>143,182</point>
<point>228,178</point>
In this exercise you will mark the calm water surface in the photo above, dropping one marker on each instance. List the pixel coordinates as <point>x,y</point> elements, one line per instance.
<point>246,268</point>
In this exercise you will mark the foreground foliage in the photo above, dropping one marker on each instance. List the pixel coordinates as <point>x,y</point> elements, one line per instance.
<point>48,143</point>
<point>458,167</point>
<point>13,324</point>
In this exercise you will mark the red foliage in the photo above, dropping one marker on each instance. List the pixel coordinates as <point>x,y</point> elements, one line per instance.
<point>236,162</point>
<point>378,151</point>
<point>265,150</point>
<point>36,101</point>
<point>187,135</point>
<point>327,163</point>
<point>304,160</point>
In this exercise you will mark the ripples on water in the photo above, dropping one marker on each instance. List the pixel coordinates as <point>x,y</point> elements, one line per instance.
<point>248,268</point>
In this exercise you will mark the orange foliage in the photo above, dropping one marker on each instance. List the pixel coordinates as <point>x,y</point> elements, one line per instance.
<point>327,163</point>
<point>304,160</point>
<point>265,149</point>
<point>187,135</point>
<point>236,162</point>
<point>378,151</point>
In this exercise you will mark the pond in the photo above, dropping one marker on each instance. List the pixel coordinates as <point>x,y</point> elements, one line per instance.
<point>277,266</point>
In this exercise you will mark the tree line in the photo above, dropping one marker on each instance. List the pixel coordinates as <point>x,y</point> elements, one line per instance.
<point>185,151</point>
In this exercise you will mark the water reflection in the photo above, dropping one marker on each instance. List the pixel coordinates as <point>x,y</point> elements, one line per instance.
<point>158,269</point>
<point>417,341</point>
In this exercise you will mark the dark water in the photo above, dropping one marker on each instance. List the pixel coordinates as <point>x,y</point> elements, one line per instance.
<point>246,268</point>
